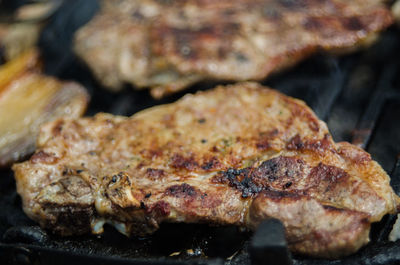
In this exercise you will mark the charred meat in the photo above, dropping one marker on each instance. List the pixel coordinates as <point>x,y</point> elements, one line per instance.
<point>232,155</point>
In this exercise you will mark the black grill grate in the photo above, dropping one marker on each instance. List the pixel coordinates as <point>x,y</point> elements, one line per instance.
<point>357,95</point>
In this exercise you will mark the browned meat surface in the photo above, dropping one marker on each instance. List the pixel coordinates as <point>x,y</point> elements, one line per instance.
<point>168,45</point>
<point>233,155</point>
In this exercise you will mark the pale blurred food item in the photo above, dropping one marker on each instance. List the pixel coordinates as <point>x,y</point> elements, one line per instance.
<point>28,99</point>
<point>37,11</point>
<point>396,11</point>
<point>17,38</point>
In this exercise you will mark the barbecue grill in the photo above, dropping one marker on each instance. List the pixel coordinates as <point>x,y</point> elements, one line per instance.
<point>357,95</point>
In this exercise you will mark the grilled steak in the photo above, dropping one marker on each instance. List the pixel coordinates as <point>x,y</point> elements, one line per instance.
<point>233,155</point>
<point>168,45</point>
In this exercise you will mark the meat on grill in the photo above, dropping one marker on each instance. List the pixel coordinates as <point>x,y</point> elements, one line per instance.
<point>234,155</point>
<point>168,45</point>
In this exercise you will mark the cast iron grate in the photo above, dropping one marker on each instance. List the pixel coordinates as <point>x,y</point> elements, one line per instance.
<point>357,95</point>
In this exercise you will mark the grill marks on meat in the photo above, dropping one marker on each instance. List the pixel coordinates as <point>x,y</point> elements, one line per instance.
<point>168,46</point>
<point>156,167</point>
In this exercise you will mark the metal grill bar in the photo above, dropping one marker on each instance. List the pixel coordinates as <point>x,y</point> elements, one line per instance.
<point>362,134</point>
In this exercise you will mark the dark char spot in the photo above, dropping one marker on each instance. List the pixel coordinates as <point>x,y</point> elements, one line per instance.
<point>287,185</point>
<point>211,164</point>
<point>181,191</point>
<point>240,57</point>
<point>353,24</point>
<point>313,23</point>
<point>239,179</point>
<point>178,161</point>
<point>155,173</point>
<point>137,15</point>
<point>276,173</point>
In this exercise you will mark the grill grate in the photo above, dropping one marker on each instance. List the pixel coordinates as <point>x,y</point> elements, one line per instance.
<point>357,95</point>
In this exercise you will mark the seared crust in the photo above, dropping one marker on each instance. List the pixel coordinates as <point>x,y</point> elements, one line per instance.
<point>233,155</point>
<point>168,45</point>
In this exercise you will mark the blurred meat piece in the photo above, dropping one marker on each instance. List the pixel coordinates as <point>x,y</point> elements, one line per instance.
<point>27,99</point>
<point>17,38</point>
<point>396,11</point>
<point>37,11</point>
<point>169,45</point>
